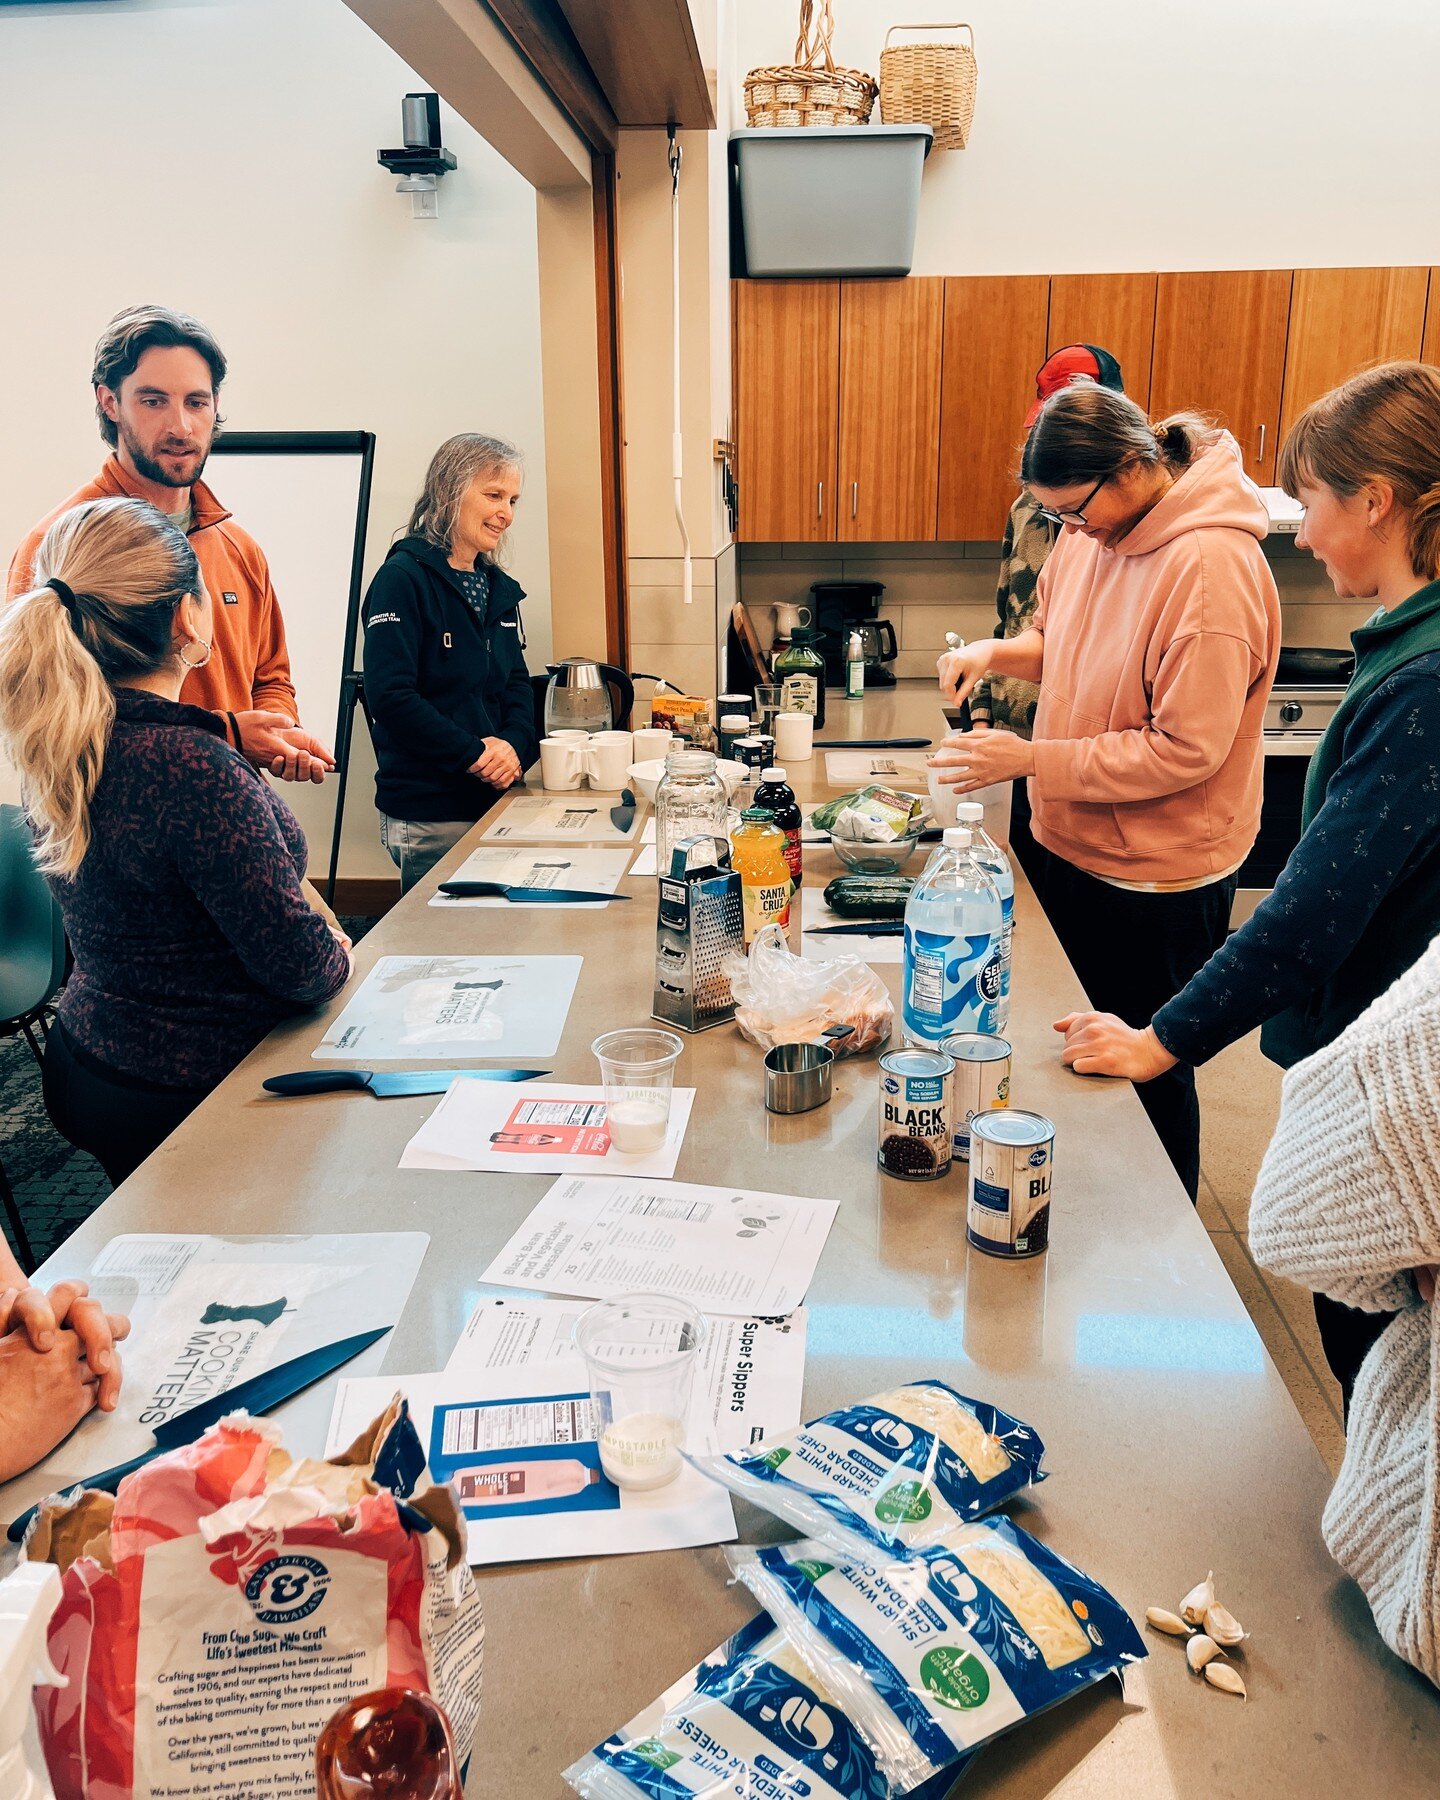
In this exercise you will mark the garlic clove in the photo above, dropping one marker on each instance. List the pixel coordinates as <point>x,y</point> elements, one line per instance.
<point>1200,1651</point>
<point>1224,1627</point>
<point>1198,1601</point>
<point>1170,1623</point>
<point>1221,1675</point>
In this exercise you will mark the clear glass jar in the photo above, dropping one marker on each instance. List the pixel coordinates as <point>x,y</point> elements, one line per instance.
<point>692,799</point>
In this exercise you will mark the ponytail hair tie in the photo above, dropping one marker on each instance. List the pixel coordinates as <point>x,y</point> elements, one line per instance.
<point>64,593</point>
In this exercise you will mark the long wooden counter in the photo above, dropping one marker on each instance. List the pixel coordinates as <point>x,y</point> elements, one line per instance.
<point>1173,1446</point>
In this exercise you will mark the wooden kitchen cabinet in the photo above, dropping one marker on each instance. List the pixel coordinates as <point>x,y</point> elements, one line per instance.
<point>1343,319</point>
<point>890,339</point>
<point>1430,348</point>
<point>994,342</point>
<point>1220,348</point>
<point>1113,312</point>
<point>787,409</point>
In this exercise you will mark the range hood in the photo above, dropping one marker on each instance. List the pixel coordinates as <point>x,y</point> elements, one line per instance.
<point>1286,515</point>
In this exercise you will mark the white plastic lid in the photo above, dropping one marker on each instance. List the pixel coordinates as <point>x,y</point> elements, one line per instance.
<point>957,837</point>
<point>970,809</point>
<point>735,722</point>
<point>772,774</point>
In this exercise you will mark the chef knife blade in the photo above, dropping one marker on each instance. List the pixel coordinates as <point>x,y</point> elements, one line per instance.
<point>257,1395</point>
<point>390,1085</point>
<point>874,928</point>
<point>541,896</point>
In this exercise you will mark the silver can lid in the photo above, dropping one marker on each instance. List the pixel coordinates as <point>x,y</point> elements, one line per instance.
<point>976,1046</point>
<point>1011,1126</point>
<point>916,1062</point>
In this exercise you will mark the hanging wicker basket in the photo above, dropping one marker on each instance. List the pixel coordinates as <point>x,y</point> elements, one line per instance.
<point>811,90</point>
<point>930,84</point>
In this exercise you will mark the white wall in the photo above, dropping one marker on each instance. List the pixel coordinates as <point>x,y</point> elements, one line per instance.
<point>1162,134</point>
<point>219,156</point>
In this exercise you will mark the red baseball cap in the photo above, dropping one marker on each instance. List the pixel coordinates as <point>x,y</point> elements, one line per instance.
<point>1071,363</point>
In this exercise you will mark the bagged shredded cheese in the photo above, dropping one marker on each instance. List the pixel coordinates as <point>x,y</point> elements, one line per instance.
<point>750,1723</point>
<point>889,1474</point>
<point>934,1655</point>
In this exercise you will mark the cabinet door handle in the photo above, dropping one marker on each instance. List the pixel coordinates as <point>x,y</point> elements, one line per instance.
<point>819,499</point>
<point>1260,453</point>
<point>854,499</point>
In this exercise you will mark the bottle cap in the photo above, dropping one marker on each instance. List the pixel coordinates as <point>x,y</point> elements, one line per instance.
<point>760,815</point>
<point>772,774</point>
<point>969,810</point>
<point>957,837</point>
<point>735,722</point>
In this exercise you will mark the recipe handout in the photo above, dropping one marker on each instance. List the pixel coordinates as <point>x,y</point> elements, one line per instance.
<point>544,1129</point>
<point>575,866</point>
<point>542,819</point>
<point>727,1250</point>
<point>510,1423</point>
<point>455,1008</point>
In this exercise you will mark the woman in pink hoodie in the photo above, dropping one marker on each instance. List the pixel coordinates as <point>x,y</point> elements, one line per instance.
<point>1154,644</point>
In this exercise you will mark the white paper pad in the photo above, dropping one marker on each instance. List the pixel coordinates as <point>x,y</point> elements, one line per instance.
<point>814,911</point>
<point>471,1129</point>
<point>727,1250</point>
<point>574,867</point>
<point>454,1009</point>
<point>208,1312</point>
<point>645,863</point>
<point>647,831</point>
<point>520,1351</point>
<point>858,768</point>
<point>581,818</point>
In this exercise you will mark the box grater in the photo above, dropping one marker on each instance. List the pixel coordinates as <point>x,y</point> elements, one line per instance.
<point>700,922</point>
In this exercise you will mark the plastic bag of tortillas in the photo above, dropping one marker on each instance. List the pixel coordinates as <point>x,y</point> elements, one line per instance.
<point>227,1601</point>
<point>783,999</point>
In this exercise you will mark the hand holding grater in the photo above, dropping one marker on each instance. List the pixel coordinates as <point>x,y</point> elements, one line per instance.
<point>700,922</point>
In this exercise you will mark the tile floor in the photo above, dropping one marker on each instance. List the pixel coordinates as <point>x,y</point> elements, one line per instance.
<point>1239,1103</point>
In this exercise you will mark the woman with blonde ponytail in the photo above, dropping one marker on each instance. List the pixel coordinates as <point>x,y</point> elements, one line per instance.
<point>176,868</point>
<point>1359,900</point>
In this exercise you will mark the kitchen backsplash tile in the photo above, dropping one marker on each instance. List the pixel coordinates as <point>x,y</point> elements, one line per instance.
<point>924,627</point>
<point>669,571</point>
<point>690,667</point>
<point>659,615</point>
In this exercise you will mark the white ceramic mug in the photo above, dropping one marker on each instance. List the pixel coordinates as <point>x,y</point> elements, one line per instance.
<point>794,736</point>
<point>608,757</point>
<point>562,763</point>
<point>651,744</point>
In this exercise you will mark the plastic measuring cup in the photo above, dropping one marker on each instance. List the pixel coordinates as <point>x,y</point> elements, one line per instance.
<point>637,1067</point>
<point>640,1354</point>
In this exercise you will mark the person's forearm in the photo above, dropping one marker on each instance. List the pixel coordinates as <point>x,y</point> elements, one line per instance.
<point>1022,656</point>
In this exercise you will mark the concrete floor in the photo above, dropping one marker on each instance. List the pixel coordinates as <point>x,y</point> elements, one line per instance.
<point>1239,1104</point>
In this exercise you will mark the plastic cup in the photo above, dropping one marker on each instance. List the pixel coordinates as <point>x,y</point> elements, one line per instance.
<point>767,703</point>
<point>637,1067</point>
<point>794,736</point>
<point>640,1354</point>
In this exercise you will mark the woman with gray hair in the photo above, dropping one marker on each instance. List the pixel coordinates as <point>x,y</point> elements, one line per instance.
<point>445,678</point>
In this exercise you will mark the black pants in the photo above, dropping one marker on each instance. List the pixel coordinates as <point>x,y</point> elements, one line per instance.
<point>1347,1336</point>
<point>1030,855</point>
<point>119,1120</point>
<point>1133,952</point>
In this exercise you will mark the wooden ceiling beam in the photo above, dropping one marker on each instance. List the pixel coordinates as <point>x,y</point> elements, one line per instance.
<point>645,57</point>
<point>541,33</point>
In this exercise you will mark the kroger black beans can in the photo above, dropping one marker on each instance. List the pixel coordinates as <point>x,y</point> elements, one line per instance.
<point>982,1081</point>
<point>916,1088</point>
<point>1012,1154</point>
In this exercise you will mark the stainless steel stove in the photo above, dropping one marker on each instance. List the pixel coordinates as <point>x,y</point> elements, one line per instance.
<point>1296,716</point>
<point>1295,719</point>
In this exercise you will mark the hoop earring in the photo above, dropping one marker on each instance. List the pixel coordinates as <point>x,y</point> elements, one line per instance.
<point>193,665</point>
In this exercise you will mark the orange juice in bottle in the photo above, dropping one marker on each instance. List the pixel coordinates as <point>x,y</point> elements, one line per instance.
<point>757,852</point>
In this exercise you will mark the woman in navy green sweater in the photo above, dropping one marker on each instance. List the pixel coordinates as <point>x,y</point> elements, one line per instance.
<point>1359,899</point>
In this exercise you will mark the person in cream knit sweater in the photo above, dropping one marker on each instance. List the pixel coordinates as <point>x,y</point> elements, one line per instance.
<point>1348,1204</point>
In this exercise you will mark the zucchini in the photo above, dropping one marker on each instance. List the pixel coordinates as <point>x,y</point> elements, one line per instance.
<point>868,896</point>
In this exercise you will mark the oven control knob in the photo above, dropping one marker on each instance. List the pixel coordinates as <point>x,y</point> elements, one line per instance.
<point>1291,712</point>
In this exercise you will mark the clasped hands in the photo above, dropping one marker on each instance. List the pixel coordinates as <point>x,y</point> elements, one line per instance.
<point>57,1362</point>
<point>498,764</point>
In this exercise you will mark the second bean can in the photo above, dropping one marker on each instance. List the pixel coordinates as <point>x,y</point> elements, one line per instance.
<point>982,1081</point>
<point>916,1089</point>
<point>1012,1156</point>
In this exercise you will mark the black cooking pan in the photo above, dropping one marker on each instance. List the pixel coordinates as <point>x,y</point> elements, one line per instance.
<point>1325,668</point>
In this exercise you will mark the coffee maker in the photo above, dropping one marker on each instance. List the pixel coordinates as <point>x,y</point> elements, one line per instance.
<point>841,607</point>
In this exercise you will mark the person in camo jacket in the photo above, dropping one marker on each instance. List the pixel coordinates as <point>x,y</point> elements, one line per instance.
<point>1002,700</point>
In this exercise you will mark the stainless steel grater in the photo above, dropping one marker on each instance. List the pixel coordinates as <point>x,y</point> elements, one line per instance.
<point>700,922</point>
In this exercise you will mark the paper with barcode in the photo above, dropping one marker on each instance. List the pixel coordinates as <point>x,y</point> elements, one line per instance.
<point>733,1251</point>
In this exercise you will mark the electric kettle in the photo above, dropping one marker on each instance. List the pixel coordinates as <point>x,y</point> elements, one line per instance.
<point>587,696</point>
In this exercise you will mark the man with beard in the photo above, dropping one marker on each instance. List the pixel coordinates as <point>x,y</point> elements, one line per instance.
<point>157,379</point>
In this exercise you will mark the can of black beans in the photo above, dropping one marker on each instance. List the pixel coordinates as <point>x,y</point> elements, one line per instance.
<point>1012,1158</point>
<point>916,1090</point>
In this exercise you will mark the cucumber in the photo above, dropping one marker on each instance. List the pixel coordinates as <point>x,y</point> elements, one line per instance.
<point>868,896</point>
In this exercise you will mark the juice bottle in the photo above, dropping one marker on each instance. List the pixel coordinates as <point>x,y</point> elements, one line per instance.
<point>758,854</point>
<point>776,797</point>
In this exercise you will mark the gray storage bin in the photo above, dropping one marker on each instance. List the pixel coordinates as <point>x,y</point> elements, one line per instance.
<point>830,199</point>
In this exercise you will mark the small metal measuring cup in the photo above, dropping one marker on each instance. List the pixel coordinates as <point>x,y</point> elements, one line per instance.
<point>797,1077</point>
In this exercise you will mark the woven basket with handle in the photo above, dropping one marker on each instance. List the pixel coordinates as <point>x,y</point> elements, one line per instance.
<point>811,90</point>
<point>930,84</point>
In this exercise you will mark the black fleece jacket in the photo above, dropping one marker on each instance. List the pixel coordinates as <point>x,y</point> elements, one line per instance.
<point>438,682</point>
